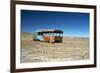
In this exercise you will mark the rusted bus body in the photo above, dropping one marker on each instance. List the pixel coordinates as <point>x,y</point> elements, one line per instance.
<point>52,39</point>
<point>52,36</point>
<point>58,39</point>
<point>46,38</point>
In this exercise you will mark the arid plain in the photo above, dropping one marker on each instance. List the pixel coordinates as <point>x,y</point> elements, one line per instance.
<point>72,48</point>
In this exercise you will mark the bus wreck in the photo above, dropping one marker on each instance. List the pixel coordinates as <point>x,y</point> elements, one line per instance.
<point>50,36</point>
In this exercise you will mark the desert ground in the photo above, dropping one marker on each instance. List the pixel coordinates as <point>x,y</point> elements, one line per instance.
<point>72,48</point>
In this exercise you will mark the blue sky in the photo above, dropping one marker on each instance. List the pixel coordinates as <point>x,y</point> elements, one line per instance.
<point>71,23</point>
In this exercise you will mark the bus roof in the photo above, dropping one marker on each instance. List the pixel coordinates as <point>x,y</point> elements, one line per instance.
<point>49,31</point>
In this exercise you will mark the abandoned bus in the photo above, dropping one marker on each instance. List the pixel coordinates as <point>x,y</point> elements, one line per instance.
<point>50,36</point>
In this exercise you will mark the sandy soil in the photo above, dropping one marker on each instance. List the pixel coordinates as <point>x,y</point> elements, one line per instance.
<point>72,48</point>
